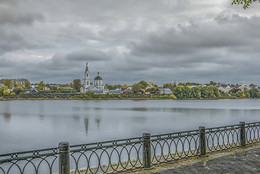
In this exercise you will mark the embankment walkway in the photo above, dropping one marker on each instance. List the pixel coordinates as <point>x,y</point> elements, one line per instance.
<point>235,161</point>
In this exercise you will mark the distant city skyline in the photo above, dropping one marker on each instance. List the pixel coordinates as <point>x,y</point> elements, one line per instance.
<point>128,41</point>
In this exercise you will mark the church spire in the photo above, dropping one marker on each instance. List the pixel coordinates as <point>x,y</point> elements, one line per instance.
<point>87,77</point>
<point>86,67</point>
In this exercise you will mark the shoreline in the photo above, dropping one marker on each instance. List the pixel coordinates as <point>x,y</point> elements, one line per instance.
<point>16,99</point>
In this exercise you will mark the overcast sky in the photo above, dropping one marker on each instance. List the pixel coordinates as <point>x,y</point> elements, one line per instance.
<point>130,40</point>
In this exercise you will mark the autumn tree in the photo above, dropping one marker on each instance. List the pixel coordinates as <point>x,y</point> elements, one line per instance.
<point>41,85</point>
<point>108,86</point>
<point>6,91</point>
<point>112,86</point>
<point>178,91</point>
<point>207,92</point>
<point>2,88</point>
<point>212,83</point>
<point>195,93</point>
<point>8,83</point>
<point>27,85</point>
<point>169,85</point>
<point>18,90</point>
<point>136,88</point>
<point>143,84</point>
<point>77,84</point>
<point>254,93</point>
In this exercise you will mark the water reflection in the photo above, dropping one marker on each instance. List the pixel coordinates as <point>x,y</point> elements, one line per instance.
<point>49,122</point>
<point>41,110</point>
<point>6,112</point>
<point>7,116</point>
<point>86,125</point>
<point>97,120</point>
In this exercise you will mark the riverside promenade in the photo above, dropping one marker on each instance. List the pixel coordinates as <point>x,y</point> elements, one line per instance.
<point>234,161</point>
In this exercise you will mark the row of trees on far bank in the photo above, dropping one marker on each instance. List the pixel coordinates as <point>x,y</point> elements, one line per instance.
<point>141,89</point>
<point>189,92</point>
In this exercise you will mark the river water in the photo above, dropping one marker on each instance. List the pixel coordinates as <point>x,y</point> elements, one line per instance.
<point>28,125</point>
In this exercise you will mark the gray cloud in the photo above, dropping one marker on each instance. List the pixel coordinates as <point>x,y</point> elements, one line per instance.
<point>11,14</point>
<point>222,33</point>
<point>11,41</point>
<point>88,55</point>
<point>128,41</point>
<point>221,50</point>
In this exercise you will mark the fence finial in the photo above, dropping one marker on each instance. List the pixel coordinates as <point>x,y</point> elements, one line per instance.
<point>202,140</point>
<point>64,158</point>
<point>147,161</point>
<point>243,134</point>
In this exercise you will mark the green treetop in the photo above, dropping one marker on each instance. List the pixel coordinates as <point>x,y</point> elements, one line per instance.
<point>8,83</point>
<point>77,84</point>
<point>246,3</point>
<point>41,86</point>
<point>27,85</point>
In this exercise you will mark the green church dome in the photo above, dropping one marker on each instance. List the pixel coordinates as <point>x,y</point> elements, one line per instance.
<point>98,77</point>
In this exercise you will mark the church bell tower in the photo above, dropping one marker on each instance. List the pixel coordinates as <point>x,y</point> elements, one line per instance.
<point>87,77</point>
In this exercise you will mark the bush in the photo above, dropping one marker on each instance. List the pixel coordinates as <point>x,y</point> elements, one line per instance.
<point>173,97</point>
<point>6,92</point>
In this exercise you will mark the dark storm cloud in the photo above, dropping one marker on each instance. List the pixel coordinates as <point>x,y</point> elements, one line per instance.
<point>61,61</point>
<point>7,17</point>
<point>12,21</point>
<point>10,14</point>
<point>11,41</point>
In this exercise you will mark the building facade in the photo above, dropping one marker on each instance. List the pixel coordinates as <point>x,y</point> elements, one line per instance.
<point>98,85</point>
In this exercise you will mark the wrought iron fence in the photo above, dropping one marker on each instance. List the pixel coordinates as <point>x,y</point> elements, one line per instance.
<point>221,138</point>
<point>128,154</point>
<point>252,131</point>
<point>107,157</point>
<point>174,146</point>
<point>30,162</point>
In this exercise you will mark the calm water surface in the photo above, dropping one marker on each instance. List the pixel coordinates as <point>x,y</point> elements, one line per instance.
<point>27,125</point>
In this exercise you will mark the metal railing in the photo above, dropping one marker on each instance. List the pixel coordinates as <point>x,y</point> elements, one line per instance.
<point>36,161</point>
<point>128,154</point>
<point>107,157</point>
<point>174,146</point>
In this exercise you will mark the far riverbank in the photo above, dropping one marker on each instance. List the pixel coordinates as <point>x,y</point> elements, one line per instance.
<point>106,97</point>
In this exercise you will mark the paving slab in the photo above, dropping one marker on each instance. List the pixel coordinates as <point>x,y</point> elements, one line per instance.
<point>235,161</point>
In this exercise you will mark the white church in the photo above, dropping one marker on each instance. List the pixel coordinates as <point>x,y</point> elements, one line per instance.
<point>97,87</point>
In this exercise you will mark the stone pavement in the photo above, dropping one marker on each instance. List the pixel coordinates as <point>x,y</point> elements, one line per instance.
<point>236,161</point>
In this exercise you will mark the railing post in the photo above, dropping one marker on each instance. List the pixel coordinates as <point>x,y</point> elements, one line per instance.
<point>243,134</point>
<point>147,162</point>
<point>64,158</point>
<point>202,140</point>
